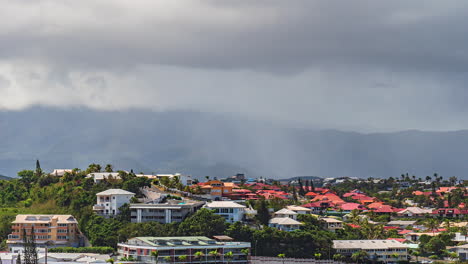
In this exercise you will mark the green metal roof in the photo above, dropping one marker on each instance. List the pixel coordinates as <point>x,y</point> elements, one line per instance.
<point>178,241</point>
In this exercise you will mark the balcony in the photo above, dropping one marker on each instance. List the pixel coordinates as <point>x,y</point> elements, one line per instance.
<point>98,207</point>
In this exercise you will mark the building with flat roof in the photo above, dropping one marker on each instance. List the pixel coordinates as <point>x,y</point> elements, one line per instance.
<point>140,248</point>
<point>164,213</point>
<point>49,230</point>
<point>231,211</point>
<point>388,251</point>
<point>109,201</point>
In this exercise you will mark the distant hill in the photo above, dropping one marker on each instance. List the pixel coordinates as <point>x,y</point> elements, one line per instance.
<point>3,177</point>
<point>218,145</point>
<point>301,177</point>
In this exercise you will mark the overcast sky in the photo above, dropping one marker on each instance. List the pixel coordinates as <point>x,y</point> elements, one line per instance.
<point>355,65</point>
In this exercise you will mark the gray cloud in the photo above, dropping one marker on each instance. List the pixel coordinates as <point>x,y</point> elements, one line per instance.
<point>360,65</point>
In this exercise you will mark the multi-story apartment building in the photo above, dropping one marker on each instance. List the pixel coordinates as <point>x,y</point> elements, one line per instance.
<point>140,248</point>
<point>231,211</point>
<point>173,211</point>
<point>109,201</point>
<point>387,251</point>
<point>49,230</point>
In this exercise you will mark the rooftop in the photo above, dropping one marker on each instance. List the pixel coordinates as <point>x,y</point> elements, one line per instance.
<point>224,204</point>
<point>367,244</point>
<point>115,192</point>
<point>24,218</point>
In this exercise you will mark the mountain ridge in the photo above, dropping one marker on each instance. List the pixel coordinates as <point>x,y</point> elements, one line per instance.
<point>219,145</point>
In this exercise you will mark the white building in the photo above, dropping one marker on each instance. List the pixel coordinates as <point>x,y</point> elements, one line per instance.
<point>284,223</point>
<point>100,176</point>
<point>231,211</point>
<point>60,172</point>
<point>285,213</point>
<point>109,201</point>
<point>377,250</point>
<point>172,211</point>
<point>414,212</point>
<point>462,252</point>
<point>332,224</point>
<point>69,258</point>
<point>299,209</point>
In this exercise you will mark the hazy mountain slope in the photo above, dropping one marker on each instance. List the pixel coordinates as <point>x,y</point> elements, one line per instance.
<point>207,144</point>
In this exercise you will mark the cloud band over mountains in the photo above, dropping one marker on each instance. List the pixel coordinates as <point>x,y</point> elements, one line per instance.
<point>359,65</point>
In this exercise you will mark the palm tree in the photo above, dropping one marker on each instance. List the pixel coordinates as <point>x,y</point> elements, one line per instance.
<point>318,255</point>
<point>182,258</point>
<point>109,168</point>
<point>229,255</point>
<point>354,216</point>
<point>155,255</point>
<point>338,257</point>
<point>214,253</point>
<point>246,252</point>
<point>199,254</point>
<point>282,256</point>
<point>431,224</point>
<point>359,256</point>
<point>416,254</point>
<point>464,232</point>
<point>167,259</point>
<point>394,255</point>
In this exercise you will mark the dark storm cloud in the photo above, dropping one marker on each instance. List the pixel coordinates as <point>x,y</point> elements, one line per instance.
<point>365,65</point>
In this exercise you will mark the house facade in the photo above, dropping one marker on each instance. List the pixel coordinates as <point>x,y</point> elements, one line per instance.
<point>140,248</point>
<point>163,213</point>
<point>49,230</point>
<point>231,211</point>
<point>108,202</point>
<point>388,251</point>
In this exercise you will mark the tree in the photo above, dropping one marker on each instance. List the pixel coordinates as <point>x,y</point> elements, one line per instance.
<point>29,247</point>
<point>263,215</point>
<point>464,232</point>
<point>359,256</point>
<point>229,255</point>
<point>109,168</point>
<point>199,254</point>
<point>214,253</point>
<point>339,257</point>
<point>18,260</point>
<point>203,223</point>
<point>431,224</point>
<point>282,256</point>
<point>155,256</point>
<point>416,254</point>
<point>182,258</point>
<point>168,259</point>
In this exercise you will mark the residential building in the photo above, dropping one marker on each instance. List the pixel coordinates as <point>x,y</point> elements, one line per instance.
<point>414,212</point>
<point>140,248</point>
<point>231,211</point>
<point>332,224</point>
<point>388,251</point>
<point>449,212</point>
<point>57,230</point>
<point>58,258</point>
<point>401,223</point>
<point>216,188</point>
<point>165,213</point>
<point>60,172</point>
<point>285,223</point>
<point>462,252</point>
<point>109,201</point>
<point>285,213</point>
<point>100,176</point>
<point>299,209</point>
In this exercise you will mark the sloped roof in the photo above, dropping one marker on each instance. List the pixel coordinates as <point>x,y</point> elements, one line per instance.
<point>115,192</point>
<point>367,244</point>
<point>297,208</point>
<point>286,212</point>
<point>284,221</point>
<point>224,204</point>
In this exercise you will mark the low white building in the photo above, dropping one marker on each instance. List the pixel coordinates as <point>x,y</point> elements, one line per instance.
<point>109,201</point>
<point>100,176</point>
<point>332,224</point>
<point>164,213</point>
<point>462,252</point>
<point>60,172</point>
<point>69,258</point>
<point>299,209</point>
<point>231,211</point>
<point>285,223</point>
<point>387,251</point>
<point>414,212</point>
<point>285,213</point>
